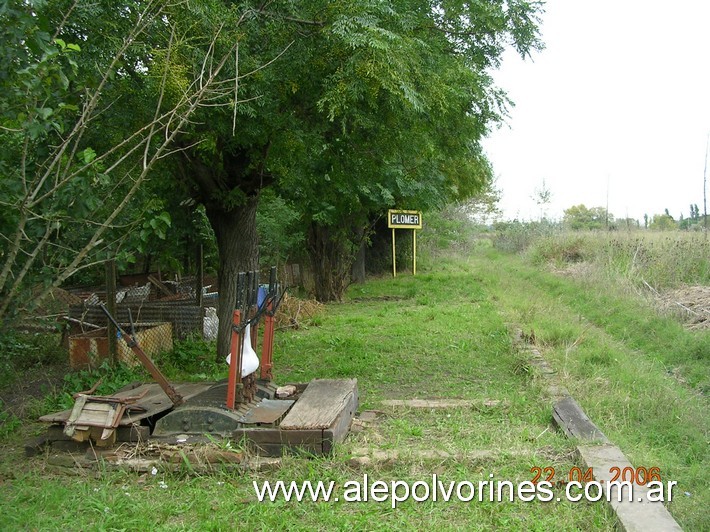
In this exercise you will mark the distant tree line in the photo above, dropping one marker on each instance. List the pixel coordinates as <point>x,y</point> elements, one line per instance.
<point>581,218</point>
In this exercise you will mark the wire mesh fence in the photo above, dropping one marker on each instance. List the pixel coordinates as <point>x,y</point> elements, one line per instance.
<point>159,310</point>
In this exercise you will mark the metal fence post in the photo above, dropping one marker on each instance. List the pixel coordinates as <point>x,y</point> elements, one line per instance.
<point>111,306</point>
<point>199,281</point>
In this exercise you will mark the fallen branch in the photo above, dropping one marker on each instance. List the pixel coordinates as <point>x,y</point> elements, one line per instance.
<point>82,323</point>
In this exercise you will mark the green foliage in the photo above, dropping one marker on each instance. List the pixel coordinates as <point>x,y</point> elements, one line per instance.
<point>357,117</point>
<point>192,359</point>
<point>22,351</point>
<point>663,222</point>
<point>663,260</point>
<point>580,218</point>
<point>627,224</point>
<point>36,108</point>
<point>83,128</point>
<point>53,190</point>
<point>516,236</point>
<point>392,103</point>
<point>281,234</point>
<point>37,71</point>
<point>561,249</point>
<point>112,379</point>
<point>448,229</point>
<point>483,208</point>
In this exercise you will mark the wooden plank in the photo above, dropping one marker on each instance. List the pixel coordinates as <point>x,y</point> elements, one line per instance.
<point>94,419</point>
<point>74,414</point>
<point>277,449</point>
<point>320,405</point>
<point>274,442</point>
<point>570,417</point>
<point>429,403</point>
<point>340,428</point>
<point>160,286</point>
<point>272,435</point>
<point>267,411</point>
<point>93,414</point>
<point>95,407</point>
<point>154,401</point>
<point>637,515</point>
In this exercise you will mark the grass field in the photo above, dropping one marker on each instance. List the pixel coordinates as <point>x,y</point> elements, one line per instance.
<point>663,259</point>
<point>445,333</point>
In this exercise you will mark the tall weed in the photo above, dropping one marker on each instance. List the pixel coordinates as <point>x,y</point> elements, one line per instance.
<point>518,237</point>
<point>109,378</point>
<point>662,260</point>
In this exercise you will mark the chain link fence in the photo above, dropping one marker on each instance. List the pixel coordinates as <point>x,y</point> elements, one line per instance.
<point>159,309</point>
<point>162,311</point>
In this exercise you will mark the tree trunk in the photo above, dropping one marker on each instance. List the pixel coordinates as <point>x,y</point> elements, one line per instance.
<point>357,273</point>
<point>237,243</point>
<point>332,256</point>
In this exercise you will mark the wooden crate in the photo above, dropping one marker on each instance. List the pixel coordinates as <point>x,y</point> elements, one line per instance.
<point>90,349</point>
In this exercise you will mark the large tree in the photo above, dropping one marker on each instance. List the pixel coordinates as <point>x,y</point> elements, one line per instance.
<point>408,103</point>
<point>363,105</point>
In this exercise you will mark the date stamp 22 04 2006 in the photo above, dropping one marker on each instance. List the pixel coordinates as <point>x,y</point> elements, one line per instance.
<point>639,476</point>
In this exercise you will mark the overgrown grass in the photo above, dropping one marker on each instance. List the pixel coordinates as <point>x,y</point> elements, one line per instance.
<point>437,335</point>
<point>517,237</point>
<point>663,260</point>
<point>641,377</point>
<point>192,359</point>
<point>108,378</point>
<point>441,334</point>
<point>20,352</point>
<point>9,422</point>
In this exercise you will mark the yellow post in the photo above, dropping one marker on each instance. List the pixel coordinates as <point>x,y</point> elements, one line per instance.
<point>394,257</point>
<point>414,251</point>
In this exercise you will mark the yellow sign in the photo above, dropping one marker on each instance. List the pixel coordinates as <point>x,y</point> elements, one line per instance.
<point>404,219</point>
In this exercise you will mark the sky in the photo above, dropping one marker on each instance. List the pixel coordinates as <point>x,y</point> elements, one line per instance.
<point>617,103</point>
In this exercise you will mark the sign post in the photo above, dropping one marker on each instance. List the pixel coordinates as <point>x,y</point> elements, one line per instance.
<point>397,219</point>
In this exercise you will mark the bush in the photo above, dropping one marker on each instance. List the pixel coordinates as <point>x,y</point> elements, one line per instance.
<point>559,249</point>
<point>191,358</point>
<point>664,260</point>
<point>448,229</point>
<point>517,237</point>
<point>22,351</point>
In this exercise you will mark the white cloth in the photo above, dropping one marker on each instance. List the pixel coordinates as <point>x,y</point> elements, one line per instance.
<point>250,362</point>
